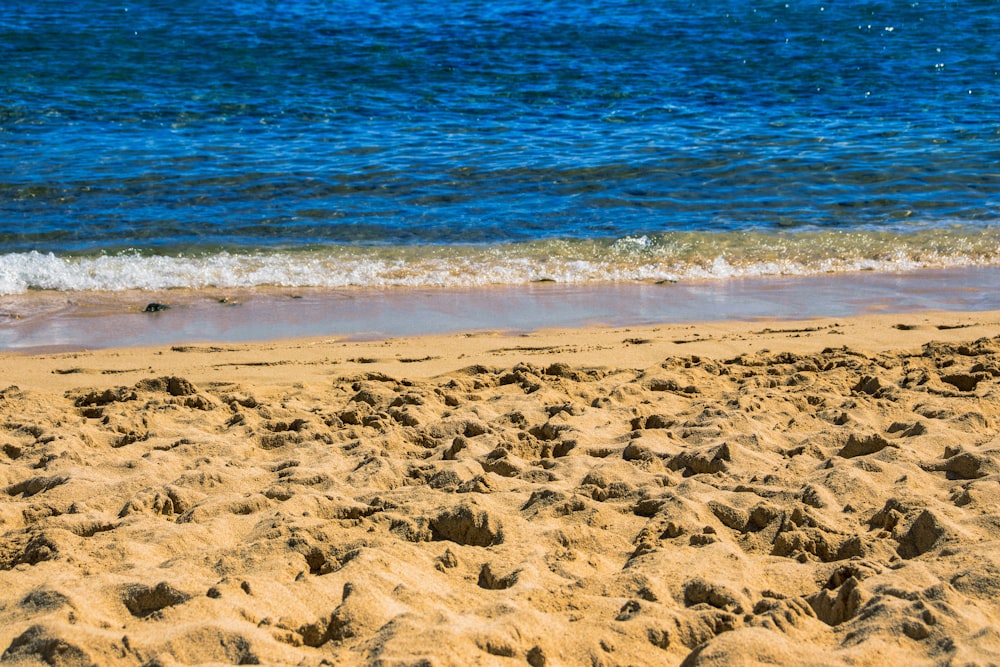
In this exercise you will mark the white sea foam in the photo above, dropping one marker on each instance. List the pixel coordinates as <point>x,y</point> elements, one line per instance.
<point>670,258</point>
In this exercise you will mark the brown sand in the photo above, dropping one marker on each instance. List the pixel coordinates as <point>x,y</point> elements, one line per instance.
<point>821,492</point>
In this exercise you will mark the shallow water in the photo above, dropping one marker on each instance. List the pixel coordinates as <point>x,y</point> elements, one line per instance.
<point>55,320</point>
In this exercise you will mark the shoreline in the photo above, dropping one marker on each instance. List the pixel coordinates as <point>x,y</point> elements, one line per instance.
<point>41,321</point>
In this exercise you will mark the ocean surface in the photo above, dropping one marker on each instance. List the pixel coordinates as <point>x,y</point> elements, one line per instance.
<point>305,143</point>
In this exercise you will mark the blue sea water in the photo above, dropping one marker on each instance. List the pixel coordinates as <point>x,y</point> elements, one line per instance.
<point>174,143</point>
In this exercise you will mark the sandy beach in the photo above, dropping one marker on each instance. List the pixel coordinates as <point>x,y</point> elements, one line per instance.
<point>809,492</point>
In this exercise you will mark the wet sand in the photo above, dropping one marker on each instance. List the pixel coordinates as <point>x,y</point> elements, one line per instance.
<point>51,320</point>
<point>816,491</point>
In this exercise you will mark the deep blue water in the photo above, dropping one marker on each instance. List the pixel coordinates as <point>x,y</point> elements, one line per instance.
<point>351,142</point>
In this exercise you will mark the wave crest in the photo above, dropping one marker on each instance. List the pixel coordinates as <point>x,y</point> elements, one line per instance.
<point>667,257</point>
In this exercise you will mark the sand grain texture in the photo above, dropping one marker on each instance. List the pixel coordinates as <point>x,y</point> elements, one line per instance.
<point>801,494</point>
